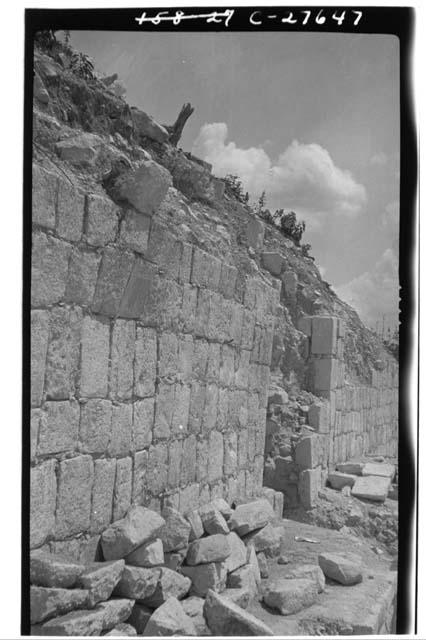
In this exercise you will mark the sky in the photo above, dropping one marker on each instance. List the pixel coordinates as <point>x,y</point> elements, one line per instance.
<point>312,119</point>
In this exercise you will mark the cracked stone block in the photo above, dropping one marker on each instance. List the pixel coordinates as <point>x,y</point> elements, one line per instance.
<point>39,338</point>
<point>102,495</point>
<point>114,272</point>
<point>82,277</point>
<point>122,488</point>
<point>140,467</point>
<point>102,220</point>
<point>49,269</point>
<point>157,468</point>
<point>165,250</point>
<point>122,356</point>
<point>63,354</point>
<point>145,364</point>
<point>144,187</point>
<point>58,430</point>
<point>42,502</point>
<point>75,480</point>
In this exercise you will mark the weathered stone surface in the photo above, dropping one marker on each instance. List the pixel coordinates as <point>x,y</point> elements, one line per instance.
<point>124,536</point>
<point>145,126</point>
<point>44,193</point>
<point>122,488</point>
<point>310,572</point>
<point>102,494</point>
<point>251,516</point>
<point>49,602</point>
<point>353,468</point>
<point>379,469</point>
<point>39,338</point>
<point>273,262</point>
<point>175,532</point>
<point>266,540</point>
<point>308,452</point>
<point>310,482</point>
<point>114,272</point>
<point>290,596</point>
<point>52,570</point>
<point>122,354</point>
<point>213,521</point>
<point>134,231</point>
<point>240,597</point>
<point>253,562</point>
<point>122,629</point>
<point>170,620</point>
<point>58,427</point>
<point>196,525</point>
<point>137,583</point>
<point>174,559</point>
<point>82,275</point>
<point>193,607</point>
<point>324,335</point>
<point>49,269</point>
<point>139,617</point>
<point>373,488</point>
<point>100,578</point>
<point>214,548</point>
<point>149,554</point>
<point>102,220</point>
<point>225,618</point>
<point>90,623</point>
<point>70,211</point>
<point>144,187</point>
<point>81,149</point>
<point>121,430</point>
<point>94,357</point>
<point>170,584</point>
<point>338,480</point>
<point>319,416</point>
<point>75,480</point>
<point>263,565</point>
<point>205,577</point>
<point>145,366</point>
<point>238,555</point>
<point>255,232</point>
<point>95,426</point>
<point>243,578</point>
<point>339,568</point>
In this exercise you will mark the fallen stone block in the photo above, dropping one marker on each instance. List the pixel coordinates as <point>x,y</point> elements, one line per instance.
<point>193,607</point>
<point>253,562</point>
<point>196,525</point>
<point>145,126</point>
<point>144,187</point>
<point>137,583</point>
<point>81,149</point>
<point>379,469</point>
<point>307,571</point>
<point>175,533</point>
<point>221,505</point>
<point>339,568</point>
<point>214,522</point>
<point>122,630</point>
<point>150,554</point>
<point>214,548</point>
<point>225,618</point>
<point>206,576</point>
<point>100,578</point>
<point>124,536</point>
<point>267,540</point>
<point>241,597</point>
<point>279,503</point>
<point>170,620</point>
<point>338,480</point>
<point>263,565</point>
<point>243,578</point>
<point>52,570</point>
<point>238,556</point>
<point>50,602</point>
<point>250,516</point>
<point>174,559</point>
<point>290,596</point>
<point>103,617</point>
<point>373,488</point>
<point>139,617</point>
<point>353,468</point>
<point>170,584</point>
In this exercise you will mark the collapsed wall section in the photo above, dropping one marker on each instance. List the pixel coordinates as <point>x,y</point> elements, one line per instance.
<point>149,366</point>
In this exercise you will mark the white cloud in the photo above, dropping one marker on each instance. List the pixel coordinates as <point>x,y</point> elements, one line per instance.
<point>376,292</point>
<point>304,178</point>
<point>379,159</point>
<point>390,217</point>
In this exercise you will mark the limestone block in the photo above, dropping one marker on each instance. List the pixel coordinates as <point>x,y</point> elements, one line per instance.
<point>340,568</point>
<point>70,211</point>
<point>214,548</point>
<point>102,220</point>
<point>290,596</point>
<point>143,420</point>
<point>102,495</point>
<point>122,355</point>
<point>82,277</point>
<point>206,270</point>
<point>94,357</point>
<point>137,582</point>
<point>170,620</point>
<point>255,232</point>
<point>58,430</point>
<point>122,488</point>
<point>121,430</point>
<point>79,149</point>
<point>188,497</point>
<point>215,459</point>
<point>230,461</point>
<point>290,281</point>
<point>100,578</point>
<point>124,536</point>
<point>145,364</point>
<point>209,417</point>
<point>185,263</point>
<point>95,426</point>
<point>157,468</point>
<point>114,272</point>
<point>168,355</point>
<point>63,354</point>
<point>149,554</point>
<point>250,516</point>
<point>308,571</point>
<point>373,488</point>
<point>193,607</point>
<point>49,602</point>
<point>325,375</point>
<point>134,231</point>
<point>144,187</point>
<point>175,532</point>
<point>185,358</point>
<point>44,194</point>
<point>170,584</point>
<point>266,540</point>
<point>139,487</point>
<point>228,278</point>
<point>89,622</point>
<point>206,576</point>
<point>180,415</point>
<point>227,618</point>
<point>49,269</point>
<point>145,126</point>
<point>196,406</point>
<point>52,570</point>
<point>319,416</point>
<point>272,262</point>
<point>42,502</point>
<point>75,480</point>
<point>309,451</point>
<point>164,249</point>
<point>379,469</point>
<point>139,617</point>
<point>34,429</point>
<point>338,480</point>
<point>39,338</point>
<point>324,335</point>
<point>310,482</point>
<point>189,460</point>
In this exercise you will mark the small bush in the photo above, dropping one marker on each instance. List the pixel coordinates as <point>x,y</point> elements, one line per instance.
<point>82,66</point>
<point>234,187</point>
<point>45,39</point>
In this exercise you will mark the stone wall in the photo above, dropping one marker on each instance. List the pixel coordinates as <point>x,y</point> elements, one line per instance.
<point>149,366</point>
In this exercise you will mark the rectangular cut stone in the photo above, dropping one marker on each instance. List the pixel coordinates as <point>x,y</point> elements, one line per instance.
<point>63,354</point>
<point>186,353</point>
<point>164,407</point>
<point>141,294</point>
<point>39,338</point>
<point>140,488</point>
<point>75,480</point>
<point>228,278</point>
<point>230,452</point>
<point>188,497</point>
<point>145,365</point>
<point>42,502</point>
<point>308,452</point>
<point>134,231</point>
<point>325,374</point>
<point>114,272</point>
<point>196,406</point>
<point>49,269</point>
<point>121,430</point>
<point>185,263</point>
<point>324,335</point>
<point>189,459</point>
<point>34,429</point>
<point>143,421</point>
<point>180,416</point>
<point>168,355</point>
<point>210,407</point>
<point>102,220</point>
<point>157,468</point>
<point>94,357</point>
<point>44,195</point>
<point>58,427</point>
<point>215,461</point>
<point>309,485</point>
<point>164,249</point>
<point>122,356</point>
<point>122,488</point>
<point>174,464</point>
<point>70,211</point>
<point>95,426</point>
<point>205,270</point>
<point>102,494</point>
<point>202,460</point>
<point>378,469</point>
<point>373,488</point>
<point>82,277</point>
